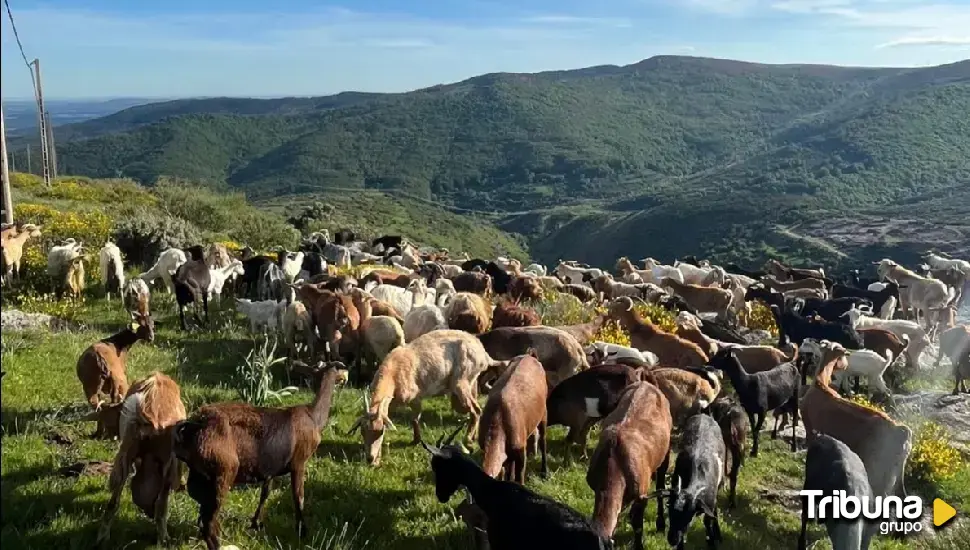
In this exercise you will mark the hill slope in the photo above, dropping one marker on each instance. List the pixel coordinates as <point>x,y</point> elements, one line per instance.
<point>661,143</point>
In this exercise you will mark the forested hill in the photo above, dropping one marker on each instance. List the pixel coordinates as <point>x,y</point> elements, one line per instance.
<point>695,138</point>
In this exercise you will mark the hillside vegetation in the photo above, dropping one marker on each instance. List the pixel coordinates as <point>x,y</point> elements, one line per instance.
<point>724,147</point>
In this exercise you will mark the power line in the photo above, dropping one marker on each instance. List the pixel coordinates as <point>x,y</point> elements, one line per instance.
<point>20,45</point>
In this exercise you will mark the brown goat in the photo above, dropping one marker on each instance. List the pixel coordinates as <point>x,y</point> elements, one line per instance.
<point>102,366</point>
<point>881,340</point>
<point>468,312</point>
<point>525,289</point>
<point>148,414</point>
<point>634,447</point>
<point>510,314</point>
<point>585,332</point>
<point>230,443</point>
<point>670,349</point>
<point>514,411</point>
<point>474,282</point>
<point>687,391</point>
<point>336,318</point>
<point>733,421</point>
<point>803,284</point>
<point>961,372</point>
<point>14,238</point>
<point>387,278</point>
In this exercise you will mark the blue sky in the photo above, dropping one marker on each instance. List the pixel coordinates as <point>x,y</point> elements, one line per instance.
<point>181,48</point>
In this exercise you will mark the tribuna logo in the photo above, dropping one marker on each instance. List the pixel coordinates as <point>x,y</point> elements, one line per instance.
<point>896,515</point>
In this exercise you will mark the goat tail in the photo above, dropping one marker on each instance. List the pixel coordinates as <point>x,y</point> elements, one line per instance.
<point>493,448</point>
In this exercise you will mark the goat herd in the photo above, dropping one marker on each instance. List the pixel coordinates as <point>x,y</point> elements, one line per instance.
<point>418,324</point>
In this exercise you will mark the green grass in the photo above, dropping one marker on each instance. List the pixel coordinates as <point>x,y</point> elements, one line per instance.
<point>348,504</point>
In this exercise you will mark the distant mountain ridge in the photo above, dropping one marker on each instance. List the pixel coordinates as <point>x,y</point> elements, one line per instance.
<point>710,142</point>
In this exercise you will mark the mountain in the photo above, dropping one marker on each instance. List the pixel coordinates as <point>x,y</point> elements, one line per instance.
<point>20,116</point>
<point>667,156</point>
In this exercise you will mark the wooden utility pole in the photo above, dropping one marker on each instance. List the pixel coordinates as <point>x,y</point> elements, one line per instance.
<point>44,148</point>
<point>52,150</point>
<point>7,200</point>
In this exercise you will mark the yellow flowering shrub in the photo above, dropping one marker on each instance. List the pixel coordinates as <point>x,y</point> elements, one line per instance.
<point>558,309</point>
<point>657,315</point>
<point>612,333</point>
<point>68,308</point>
<point>860,399</point>
<point>933,457</point>
<point>21,180</point>
<point>761,318</point>
<point>231,246</point>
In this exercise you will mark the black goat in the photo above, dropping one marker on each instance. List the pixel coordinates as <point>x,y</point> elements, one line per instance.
<point>860,282</point>
<point>792,327</point>
<point>830,465</point>
<point>878,298</point>
<point>313,263</point>
<point>388,241</point>
<point>761,392</point>
<point>344,236</point>
<point>500,278</point>
<point>191,282</point>
<point>738,270</point>
<point>719,330</point>
<point>586,397</point>
<point>516,516</point>
<point>698,474</point>
<point>734,429</point>
<point>252,267</point>
<point>470,265</point>
<point>831,310</point>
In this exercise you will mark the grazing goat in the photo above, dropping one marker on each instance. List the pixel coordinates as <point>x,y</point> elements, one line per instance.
<point>510,314</point>
<point>881,443</point>
<point>263,316</point>
<point>525,289</point>
<point>939,262</point>
<point>584,293</point>
<point>584,332</point>
<point>671,350</point>
<point>13,247</point>
<point>226,444</point>
<point>634,447</point>
<point>698,475</point>
<point>585,398</point>
<point>831,466</point>
<point>292,266</point>
<point>112,269</point>
<point>148,414</point>
<point>136,296</point>
<point>515,409</point>
<point>217,255</point>
<point>785,273</point>
<point>688,389</point>
<point>468,312</point>
<point>272,283</point>
<point>438,363</point>
<point>297,320</point>
<point>102,367</point>
<point>192,286</point>
<point>761,392</point>
<point>734,425</point>
<point>514,516</point>
<point>165,267</point>
<point>702,298</point>
<point>561,355</point>
<point>65,266</point>
<point>577,275</point>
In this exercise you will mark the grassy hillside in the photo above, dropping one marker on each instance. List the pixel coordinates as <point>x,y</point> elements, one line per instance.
<point>143,220</point>
<point>723,147</point>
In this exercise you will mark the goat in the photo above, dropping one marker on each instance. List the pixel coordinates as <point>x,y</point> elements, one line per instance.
<point>65,266</point>
<point>584,293</point>
<point>297,320</point>
<point>784,273</point>
<point>440,362</point>
<point>761,392</point>
<point>13,247</point>
<point>515,409</point>
<point>526,289</point>
<point>918,340</point>
<point>803,284</point>
<point>572,274</point>
<point>634,446</point>
<point>831,466</point>
<point>560,354</point>
<point>859,363</point>
<point>292,266</point>
<point>587,397</point>
<point>263,316</point>
<point>735,426</point>
<point>272,283</point>
<point>698,475</point>
<point>688,389</point>
<point>510,314</point>
<point>225,444</point>
<point>921,293</point>
<point>795,328</point>
<point>379,334</point>
<point>961,372</point>
<point>515,516</point>
<point>219,275</point>
<point>217,255</point>
<point>468,312</point>
<point>112,269</point>
<point>882,444</point>
<point>165,267</point>
<point>702,298</point>
<point>883,301</point>
<point>585,332</point>
<point>598,352</point>
<point>953,343</point>
<point>671,350</point>
<point>474,282</point>
<point>939,262</point>
<point>192,285</point>
<point>102,367</point>
<point>148,414</point>
<point>136,296</point>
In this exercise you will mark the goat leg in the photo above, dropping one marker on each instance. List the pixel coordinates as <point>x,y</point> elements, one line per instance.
<point>296,481</point>
<point>802,535</point>
<point>416,421</point>
<point>120,471</point>
<point>661,474</point>
<point>757,431</point>
<point>257,521</point>
<point>636,521</point>
<point>543,448</point>
<point>170,479</point>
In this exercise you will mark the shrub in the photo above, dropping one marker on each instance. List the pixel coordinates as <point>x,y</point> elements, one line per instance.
<point>612,333</point>
<point>254,376</point>
<point>263,231</point>
<point>203,207</point>
<point>933,458</point>
<point>761,318</point>
<point>657,315</point>
<point>32,302</point>
<point>144,236</point>
<point>558,309</point>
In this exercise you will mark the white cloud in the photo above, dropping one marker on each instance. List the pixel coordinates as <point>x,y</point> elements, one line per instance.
<point>926,41</point>
<point>725,7</point>
<point>575,20</point>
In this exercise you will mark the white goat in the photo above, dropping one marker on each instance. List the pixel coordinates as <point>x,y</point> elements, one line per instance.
<point>922,294</point>
<point>610,352</point>
<point>59,258</point>
<point>401,299</point>
<point>266,315</point>
<point>659,271</point>
<point>292,266</point>
<point>219,275</point>
<point>904,330</point>
<point>166,266</point>
<point>576,275</point>
<point>863,362</point>
<point>939,262</point>
<point>112,269</point>
<point>538,269</point>
<point>136,296</point>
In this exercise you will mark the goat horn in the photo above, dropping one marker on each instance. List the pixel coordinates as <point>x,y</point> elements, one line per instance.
<point>435,451</point>
<point>356,426</point>
<point>450,438</point>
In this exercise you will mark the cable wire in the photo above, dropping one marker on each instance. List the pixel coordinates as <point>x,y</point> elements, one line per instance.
<point>20,45</point>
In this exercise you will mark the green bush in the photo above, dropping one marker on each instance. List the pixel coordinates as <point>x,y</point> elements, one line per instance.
<point>142,237</point>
